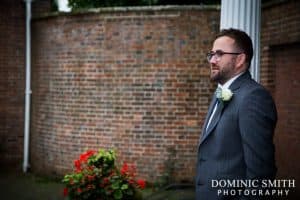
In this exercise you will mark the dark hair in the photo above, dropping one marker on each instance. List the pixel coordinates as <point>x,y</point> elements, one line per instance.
<point>242,41</point>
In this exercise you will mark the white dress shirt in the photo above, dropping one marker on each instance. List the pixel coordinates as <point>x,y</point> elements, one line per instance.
<point>225,86</point>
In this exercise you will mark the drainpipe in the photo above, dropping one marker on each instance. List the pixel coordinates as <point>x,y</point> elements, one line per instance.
<point>28,88</point>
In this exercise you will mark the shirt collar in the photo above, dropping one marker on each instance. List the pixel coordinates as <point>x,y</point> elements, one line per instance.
<point>230,81</point>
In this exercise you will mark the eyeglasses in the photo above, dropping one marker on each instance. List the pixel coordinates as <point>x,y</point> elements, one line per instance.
<point>218,54</point>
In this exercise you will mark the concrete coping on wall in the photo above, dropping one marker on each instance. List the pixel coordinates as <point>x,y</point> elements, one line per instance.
<point>273,3</point>
<point>130,9</point>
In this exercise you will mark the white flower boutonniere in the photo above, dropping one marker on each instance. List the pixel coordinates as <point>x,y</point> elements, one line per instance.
<point>224,94</point>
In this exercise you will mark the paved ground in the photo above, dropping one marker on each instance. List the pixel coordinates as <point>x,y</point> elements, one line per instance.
<point>18,186</point>
<point>15,185</point>
<point>174,192</point>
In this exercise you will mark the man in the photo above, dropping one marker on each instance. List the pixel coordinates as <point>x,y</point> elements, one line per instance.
<point>237,136</point>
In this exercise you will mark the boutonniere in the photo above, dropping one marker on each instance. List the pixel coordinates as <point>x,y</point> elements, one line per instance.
<point>224,95</point>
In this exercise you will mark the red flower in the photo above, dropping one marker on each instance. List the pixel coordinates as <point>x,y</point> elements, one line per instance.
<point>141,183</point>
<point>131,181</point>
<point>105,180</point>
<point>91,177</point>
<point>124,169</point>
<point>77,165</point>
<point>65,192</point>
<point>85,156</point>
<point>90,187</point>
<point>79,190</point>
<point>128,170</point>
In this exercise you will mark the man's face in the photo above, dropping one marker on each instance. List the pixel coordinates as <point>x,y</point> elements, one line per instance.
<point>223,67</point>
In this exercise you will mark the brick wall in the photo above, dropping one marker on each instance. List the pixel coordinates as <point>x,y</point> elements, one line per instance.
<point>135,81</point>
<point>280,25</point>
<point>12,61</point>
<point>287,98</point>
<point>279,73</point>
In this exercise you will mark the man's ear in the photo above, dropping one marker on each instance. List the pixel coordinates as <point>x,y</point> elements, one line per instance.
<point>240,61</point>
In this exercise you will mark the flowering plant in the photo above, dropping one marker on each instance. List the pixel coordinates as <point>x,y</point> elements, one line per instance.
<point>96,177</point>
<point>224,94</point>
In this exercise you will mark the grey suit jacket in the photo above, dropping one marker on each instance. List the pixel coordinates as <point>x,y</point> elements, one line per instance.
<point>239,143</point>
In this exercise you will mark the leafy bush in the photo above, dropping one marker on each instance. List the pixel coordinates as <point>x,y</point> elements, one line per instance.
<point>96,177</point>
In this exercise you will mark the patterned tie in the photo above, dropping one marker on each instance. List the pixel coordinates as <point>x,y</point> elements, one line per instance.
<point>218,93</point>
<point>217,110</point>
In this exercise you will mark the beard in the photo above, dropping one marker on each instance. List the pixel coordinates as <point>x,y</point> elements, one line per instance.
<point>221,74</point>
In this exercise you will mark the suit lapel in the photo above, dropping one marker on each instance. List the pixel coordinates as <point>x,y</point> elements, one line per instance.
<point>234,86</point>
<point>210,110</point>
<point>215,119</point>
